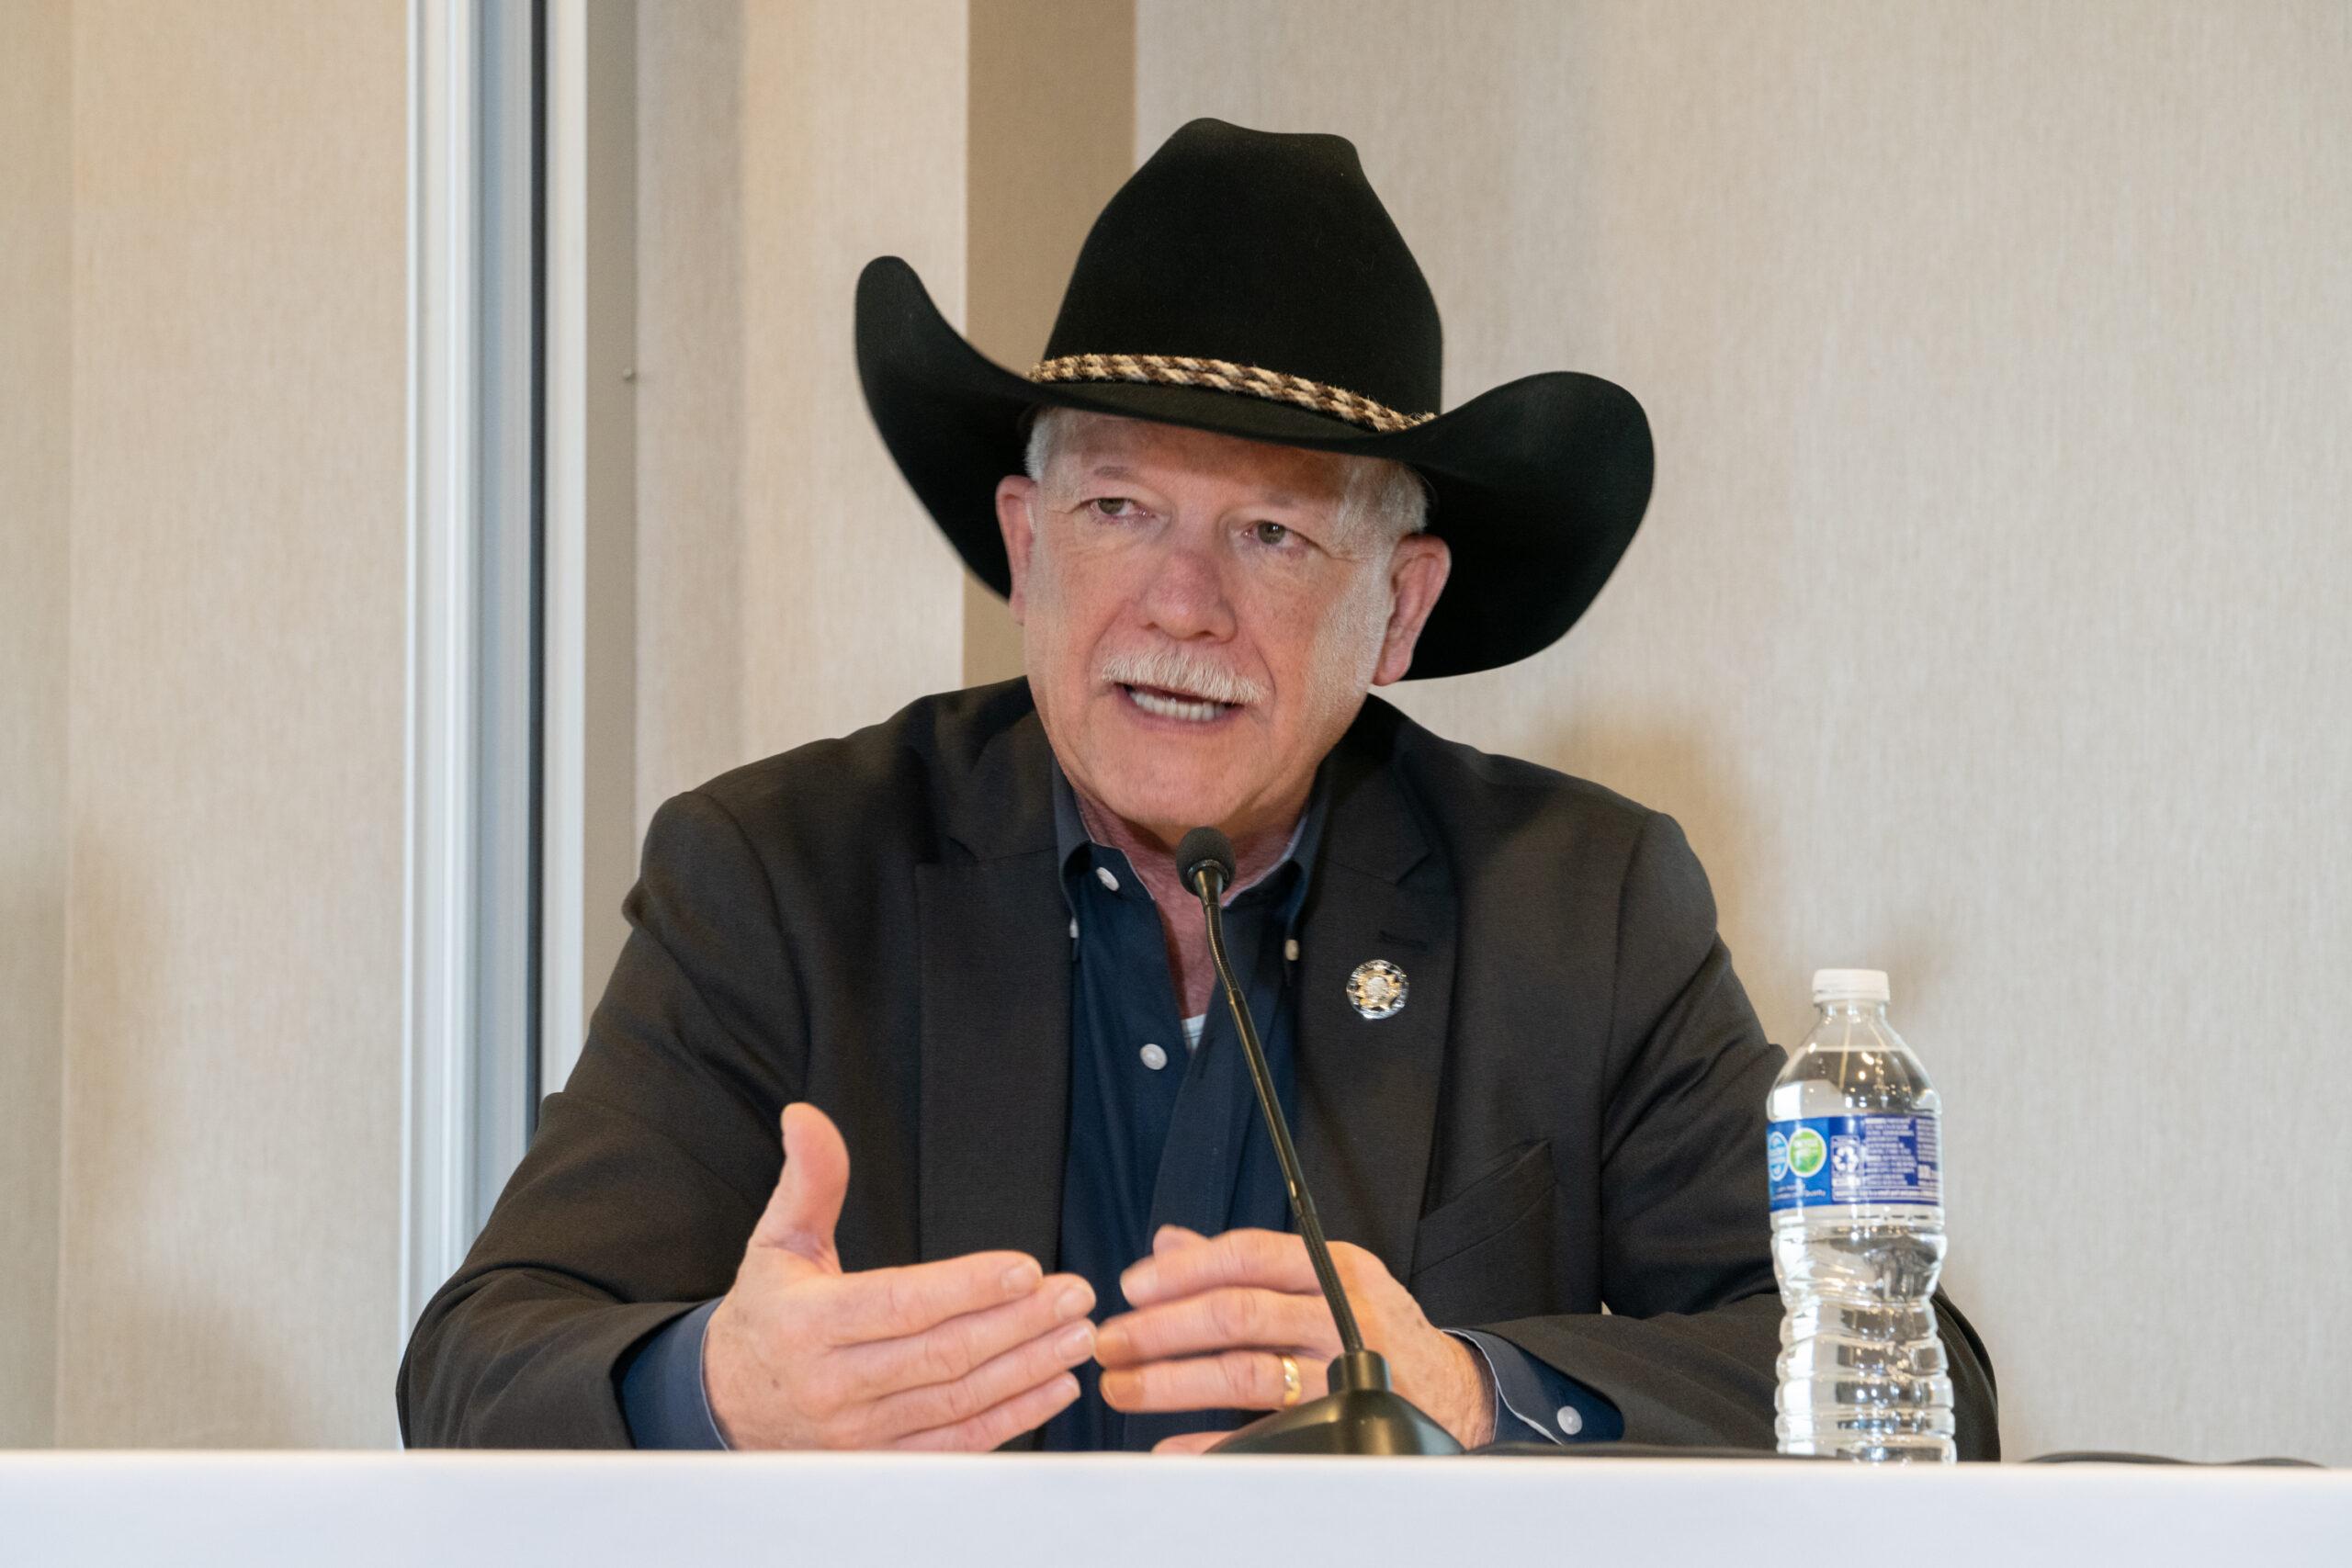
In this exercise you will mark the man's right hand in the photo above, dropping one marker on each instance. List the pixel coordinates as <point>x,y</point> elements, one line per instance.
<point>964,1353</point>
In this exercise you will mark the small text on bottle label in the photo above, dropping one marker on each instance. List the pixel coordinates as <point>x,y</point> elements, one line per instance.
<point>1824,1160</point>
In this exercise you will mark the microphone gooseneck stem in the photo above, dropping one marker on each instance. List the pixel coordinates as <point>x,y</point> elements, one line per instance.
<point>1210,885</point>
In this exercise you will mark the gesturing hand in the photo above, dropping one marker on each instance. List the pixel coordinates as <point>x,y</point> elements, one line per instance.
<point>963,1353</point>
<point>1215,1317</point>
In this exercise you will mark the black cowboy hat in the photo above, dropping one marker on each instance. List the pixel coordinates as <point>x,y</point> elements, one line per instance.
<point>1252,284</point>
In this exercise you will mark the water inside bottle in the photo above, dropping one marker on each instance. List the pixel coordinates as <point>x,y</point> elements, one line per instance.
<point>1862,1373</point>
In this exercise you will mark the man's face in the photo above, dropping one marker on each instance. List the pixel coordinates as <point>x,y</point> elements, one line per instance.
<point>1201,617</point>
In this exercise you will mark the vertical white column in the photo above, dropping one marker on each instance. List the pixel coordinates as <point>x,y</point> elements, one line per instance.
<point>589,757</point>
<point>437,956</point>
<point>472,581</point>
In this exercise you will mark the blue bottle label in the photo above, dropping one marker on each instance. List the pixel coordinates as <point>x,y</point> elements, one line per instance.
<point>1823,1160</point>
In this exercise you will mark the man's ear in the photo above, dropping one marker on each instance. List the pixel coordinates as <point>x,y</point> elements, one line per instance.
<point>1016,519</point>
<point>1416,575</point>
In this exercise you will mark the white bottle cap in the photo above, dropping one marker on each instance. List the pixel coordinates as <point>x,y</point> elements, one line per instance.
<point>1848,985</point>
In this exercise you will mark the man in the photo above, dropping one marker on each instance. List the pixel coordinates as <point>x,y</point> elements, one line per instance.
<point>907,1119</point>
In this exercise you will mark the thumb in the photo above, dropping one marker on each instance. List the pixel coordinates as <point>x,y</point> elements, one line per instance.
<point>807,1202</point>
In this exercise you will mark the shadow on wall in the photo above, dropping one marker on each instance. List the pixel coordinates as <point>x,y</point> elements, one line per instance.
<point>1774,923</point>
<point>1678,769</point>
<point>1781,915</point>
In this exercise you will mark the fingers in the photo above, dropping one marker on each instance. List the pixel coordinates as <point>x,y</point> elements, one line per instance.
<point>1175,1238</point>
<point>1232,1319</point>
<point>1214,1315</point>
<point>962,1353</point>
<point>1269,1259</point>
<point>892,1303</point>
<point>805,1363</point>
<point>807,1202</point>
<point>949,1349</point>
<point>995,1426</point>
<point>1036,1363</point>
<point>1236,1380</point>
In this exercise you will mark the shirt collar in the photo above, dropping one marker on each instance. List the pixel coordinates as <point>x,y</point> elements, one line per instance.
<point>1072,842</point>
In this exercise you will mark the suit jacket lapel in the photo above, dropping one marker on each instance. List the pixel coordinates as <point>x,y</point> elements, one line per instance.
<point>1368,1087</point>
<point>995,999</point>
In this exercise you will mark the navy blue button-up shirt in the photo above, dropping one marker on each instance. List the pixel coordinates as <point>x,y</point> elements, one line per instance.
<point>1164,1129</point>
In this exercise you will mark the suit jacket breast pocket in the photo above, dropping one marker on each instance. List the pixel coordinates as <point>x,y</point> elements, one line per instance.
<point>1484,1255</point>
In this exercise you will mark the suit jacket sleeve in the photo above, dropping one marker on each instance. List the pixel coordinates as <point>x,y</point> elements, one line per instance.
<point>647,1172</point>
<point>1687,1348</point>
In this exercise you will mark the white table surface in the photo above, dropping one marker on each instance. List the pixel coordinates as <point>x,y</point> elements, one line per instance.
<point>1136,1511</point>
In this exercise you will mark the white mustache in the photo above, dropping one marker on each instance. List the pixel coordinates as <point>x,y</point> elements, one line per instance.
<point>1171,670</point>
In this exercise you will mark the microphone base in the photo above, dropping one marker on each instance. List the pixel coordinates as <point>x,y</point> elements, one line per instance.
<point>1362,1416</point>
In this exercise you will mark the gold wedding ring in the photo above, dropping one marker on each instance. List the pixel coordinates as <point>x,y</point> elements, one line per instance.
<point>1292,1387</point>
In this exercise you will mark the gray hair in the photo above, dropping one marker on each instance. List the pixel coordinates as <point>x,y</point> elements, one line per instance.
<point>1386,494</point>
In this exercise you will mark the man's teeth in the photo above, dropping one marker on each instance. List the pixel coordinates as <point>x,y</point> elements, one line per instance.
<point>1174,707</point>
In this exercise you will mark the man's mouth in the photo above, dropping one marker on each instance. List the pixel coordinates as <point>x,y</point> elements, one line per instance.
<point>1161,702</point>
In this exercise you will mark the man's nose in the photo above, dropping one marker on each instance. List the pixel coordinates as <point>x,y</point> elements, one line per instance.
<point>1186,595</point>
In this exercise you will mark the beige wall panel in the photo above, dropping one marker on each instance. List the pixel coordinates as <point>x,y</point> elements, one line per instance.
<point>233,1108</point>
<point>36,351</point>
<point>1053,120</point>
<point>689,398</point>
<point>854,126</point>
<point>1988,623</point>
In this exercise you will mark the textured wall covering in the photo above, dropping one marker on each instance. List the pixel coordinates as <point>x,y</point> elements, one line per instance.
<point>853,148</point>
<point>1040,166</point>
<point>232,1047</point>
<point>690,605</point>
<point>790,585</point>
<point>934,115</point>
<point>36,348</point>
<point>1989,622</point>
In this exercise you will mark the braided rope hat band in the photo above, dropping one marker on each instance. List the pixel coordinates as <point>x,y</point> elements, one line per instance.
<point>1224,376</point>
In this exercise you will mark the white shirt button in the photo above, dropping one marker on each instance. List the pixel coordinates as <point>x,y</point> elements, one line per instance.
<point>1154,1058</point>
<point>1102,874</point>
<point>1290,950</point>
<point>1571,1423</point>
<point>1074,928</point>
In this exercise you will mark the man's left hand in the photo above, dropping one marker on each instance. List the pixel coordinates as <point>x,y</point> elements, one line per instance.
<point>1214,1317</point>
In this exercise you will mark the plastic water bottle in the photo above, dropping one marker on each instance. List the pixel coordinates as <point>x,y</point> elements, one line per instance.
<point>1855,1155</point>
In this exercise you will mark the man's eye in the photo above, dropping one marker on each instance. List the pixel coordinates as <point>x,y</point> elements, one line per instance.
<point>1114,505</point>
<point>1273,533</point>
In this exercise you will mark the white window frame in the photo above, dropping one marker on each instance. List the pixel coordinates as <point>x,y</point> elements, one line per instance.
<point>471,944</point>
<point>521,625</point>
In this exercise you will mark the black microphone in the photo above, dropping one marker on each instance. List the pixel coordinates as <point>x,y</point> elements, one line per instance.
<point>1362,1414</point>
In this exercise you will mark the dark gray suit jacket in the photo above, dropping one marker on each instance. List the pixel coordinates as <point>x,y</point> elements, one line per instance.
<point>1568,1111</point>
